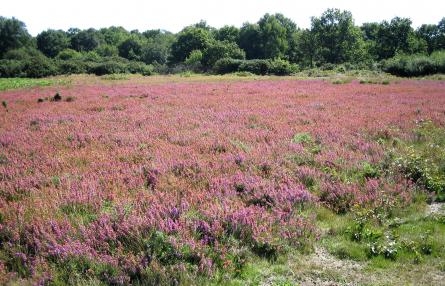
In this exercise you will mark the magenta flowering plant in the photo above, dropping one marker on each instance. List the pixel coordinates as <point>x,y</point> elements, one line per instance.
<point>134,178</point>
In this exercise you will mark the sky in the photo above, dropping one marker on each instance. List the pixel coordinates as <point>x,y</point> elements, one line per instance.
<point>173,15</point>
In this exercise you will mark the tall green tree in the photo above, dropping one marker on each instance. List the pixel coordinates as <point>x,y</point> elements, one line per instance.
<point>306,51</point>
<point>441,37</point>
<point>430,34</point>
<point>250,40</point>
<point>274,40</point>
<point>156,49</point>
<point>13,35</point>
<point>393,37</point>
<point>434,35</point>
<point>114,35</point>
<point>219,50</point>
<point>338,40</point>
<point>52,42</point>
<point>85,40</point>
<point>228,33</point>
<point>188,40</point>
<point>130,49</point>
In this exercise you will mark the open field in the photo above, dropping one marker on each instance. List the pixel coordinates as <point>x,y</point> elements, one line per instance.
<point>223,180</point>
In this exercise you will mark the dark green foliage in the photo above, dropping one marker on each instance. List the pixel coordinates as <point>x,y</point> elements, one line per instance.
<point>387,39</point>
<point>130,49</point>
<point>109,67</point>
<point>336,37</point>
<point>85,40</point>
<point>219,50</point>
<point>27,62</point>
<point>107,50</point>
<point>52,42</point>
<point>250,40</point>
<point>119,65</point>
<point>226,65</point>
<point>306,48</point>
<point>189,39</point>
<point>139,68</point>
<point>416,65</point>
<point>11,68</point>
<point>13,35</point>
<point>265,250</point>
<point>73,66</point>
<point>282,67</point>
<point>156,49</point>
<point>272,45</point>
<point>260,67</point>
<point>228,34</point>
<point>113,35</point>
<point>277,36</point>
<point>158,247</point>
<point>39,67</point>
<point>68,54</point>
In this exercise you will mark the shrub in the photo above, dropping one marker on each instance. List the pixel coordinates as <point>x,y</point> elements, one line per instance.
<point>282,67</point>
<point>72,66</point>
<point>57,97</point>
<point>11,68</point>
<point>259,67</point>
<point>226,65</point>
<point>423,160</point>
<point>304,138</point>
<point>416,65</point>
<point>27,62</point>
<point>68,54</point>
<point>39,67</point>
<point>140,68</point>
<point>109,67</point>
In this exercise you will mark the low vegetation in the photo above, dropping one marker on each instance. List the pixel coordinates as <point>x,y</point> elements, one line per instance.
<point>223,180</point>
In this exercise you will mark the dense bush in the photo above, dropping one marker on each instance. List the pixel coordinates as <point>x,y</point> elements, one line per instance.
<point>140,68</point>
<point>258,67</point>
<point>272,46</point>
<point>39,67</point>
<point>226,65</point>
<point>116,65</point>
<point>109,67</point>
<point>11,68</point>
<point>416,65</point>
<point>74,66</point>
<point>423,161</point>
<point>282,67</point>
<point>69,54</point>
<point>27,62</point>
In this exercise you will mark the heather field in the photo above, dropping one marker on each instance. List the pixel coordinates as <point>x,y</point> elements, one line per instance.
<point>222,180</point>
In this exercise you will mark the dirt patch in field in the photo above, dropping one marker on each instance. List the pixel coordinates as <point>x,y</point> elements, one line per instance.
<point>327,270</point>
<point>436,208</point>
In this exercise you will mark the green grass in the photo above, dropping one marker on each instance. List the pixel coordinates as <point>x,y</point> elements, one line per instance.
<point>19,83</point>
<point>422,158</point>
<point>78,213</point>
<point>120,76</point>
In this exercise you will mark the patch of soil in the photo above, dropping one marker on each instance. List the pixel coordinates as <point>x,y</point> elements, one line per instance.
<point>436,208</point>
<point>327,270</point>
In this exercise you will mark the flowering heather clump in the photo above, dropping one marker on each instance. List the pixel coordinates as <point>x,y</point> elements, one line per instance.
<point>157,178</point>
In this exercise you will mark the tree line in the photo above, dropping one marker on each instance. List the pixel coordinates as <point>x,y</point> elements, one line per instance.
<point>273,45</point>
